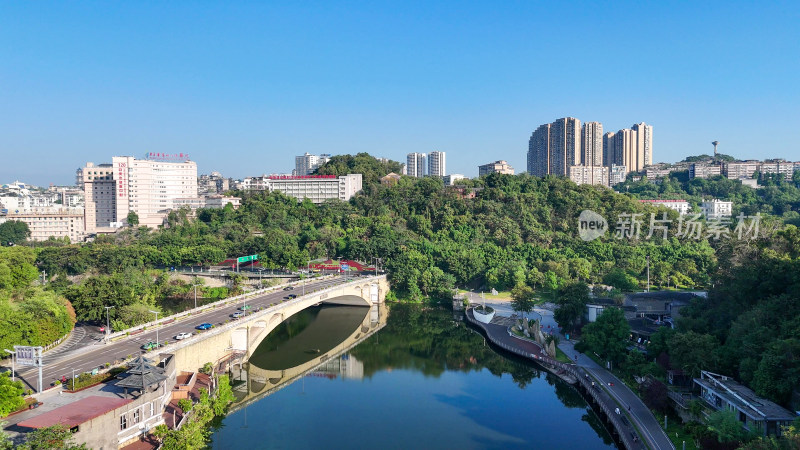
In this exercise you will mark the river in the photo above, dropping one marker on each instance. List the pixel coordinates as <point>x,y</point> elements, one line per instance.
<point>425,380</point>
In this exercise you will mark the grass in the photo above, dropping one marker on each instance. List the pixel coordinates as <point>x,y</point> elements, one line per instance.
<point>677,434</point>
<point>561,356</point>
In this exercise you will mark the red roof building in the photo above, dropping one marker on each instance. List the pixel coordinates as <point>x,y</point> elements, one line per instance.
<point>76,413</point>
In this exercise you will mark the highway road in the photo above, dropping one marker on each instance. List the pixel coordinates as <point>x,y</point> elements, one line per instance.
<point>88,351</point>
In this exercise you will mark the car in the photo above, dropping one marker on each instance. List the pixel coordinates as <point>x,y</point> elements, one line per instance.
<point>237,314</point>
<point>288,288</point>
<point>150,346</point>
<point>244,308</point>
<point>204,326</point>
<point>181,336</point>
<point>291,296</point>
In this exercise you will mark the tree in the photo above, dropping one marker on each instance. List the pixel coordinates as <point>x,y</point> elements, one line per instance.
<point>185,405</point>
<point>56,437</point>
<point>13,232</point>
<point>726,426</point>
<point>608,335</point>
<point>132,218</point>
<point>10,394</point>
<point>522,299</point>
<point>692,352</point>
<point>572,300</point>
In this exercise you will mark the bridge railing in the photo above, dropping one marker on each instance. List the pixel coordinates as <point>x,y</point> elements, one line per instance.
<point>206,307</point>
<point>257,315</point>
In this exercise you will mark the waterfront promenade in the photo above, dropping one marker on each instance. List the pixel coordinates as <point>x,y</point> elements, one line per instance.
<point>591,382</point>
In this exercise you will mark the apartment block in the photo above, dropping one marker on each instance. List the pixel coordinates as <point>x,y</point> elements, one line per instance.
<point>415,164</point>
<point>436,164</point>
<point>553,148</point>
<point>496,167</point>
<point>45,223</point>
<point>589,175</point>
<point>617,174</point>
<point>592,144</point>
<point>704,170</point>
<point>307,163</point>
<point>741,169</point>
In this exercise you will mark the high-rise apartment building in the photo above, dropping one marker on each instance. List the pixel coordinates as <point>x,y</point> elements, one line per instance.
<point>589,175</point>
<point>436,164</point>
<point>554,147</point>
<point>415,164</point>
<point>495,167</point>
<point>308,163</point>
<point>629,147</point>
<point>592,144</point>
<point>144,186</point>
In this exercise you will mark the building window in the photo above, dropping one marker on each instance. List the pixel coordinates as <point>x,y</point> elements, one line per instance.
<point>136,416</point>
<point>123,422</point>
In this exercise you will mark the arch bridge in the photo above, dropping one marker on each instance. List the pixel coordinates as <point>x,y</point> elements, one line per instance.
<point>244,335</point>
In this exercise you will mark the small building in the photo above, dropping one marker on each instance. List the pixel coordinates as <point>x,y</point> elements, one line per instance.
<point>756,414</point>
<point>220,201</point>
<point>716,209</point>
<point>682,206</point>
<point>390,179</point>
<point>500,166</point>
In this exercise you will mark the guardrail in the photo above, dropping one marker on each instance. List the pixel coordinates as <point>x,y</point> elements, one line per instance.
<point>255,315</point>
<point>225,301</point>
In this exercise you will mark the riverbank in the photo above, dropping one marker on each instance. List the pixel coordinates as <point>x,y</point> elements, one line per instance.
<point>625,433</point>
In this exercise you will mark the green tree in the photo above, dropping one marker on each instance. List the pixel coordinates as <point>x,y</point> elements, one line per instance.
<point>56,437</point>
<point>185,404</point>
<point>572,300</point>
<point>726,427</point>
<point>132,218</point>
<point>10,394</point>
<point>692,352</point>
<point>608,335</point>
<point>13,232</point>
<point>522,299</point>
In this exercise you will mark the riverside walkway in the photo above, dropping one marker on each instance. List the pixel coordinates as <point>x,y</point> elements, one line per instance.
<point>614,415</point>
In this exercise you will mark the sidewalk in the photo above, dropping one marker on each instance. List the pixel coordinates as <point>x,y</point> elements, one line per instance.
<point>637,410</point>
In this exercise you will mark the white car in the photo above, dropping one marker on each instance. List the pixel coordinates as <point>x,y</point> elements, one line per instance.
<point>183,336</point>
<point>237,314</point>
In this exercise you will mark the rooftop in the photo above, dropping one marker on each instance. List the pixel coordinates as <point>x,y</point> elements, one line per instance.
<point>745,399</point>
<point>76,413</point>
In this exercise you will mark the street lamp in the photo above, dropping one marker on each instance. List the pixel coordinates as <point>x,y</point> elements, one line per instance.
<point>194,285</point>
<point>156,325</point>
<point>13,354</point>
<point>108,323</point>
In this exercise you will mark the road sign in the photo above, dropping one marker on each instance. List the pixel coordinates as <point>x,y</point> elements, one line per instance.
<point>242,259</point>
<point>28,356</point>
<point>345,267</point>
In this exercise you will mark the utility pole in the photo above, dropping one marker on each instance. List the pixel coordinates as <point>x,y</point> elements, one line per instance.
<point>13,370</point>
<point>156,325</point>
<point>648,273</point>
<point>108,323</point>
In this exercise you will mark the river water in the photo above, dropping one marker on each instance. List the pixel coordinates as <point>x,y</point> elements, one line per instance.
<point>425,380</point>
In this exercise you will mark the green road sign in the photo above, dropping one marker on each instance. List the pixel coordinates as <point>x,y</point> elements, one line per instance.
<point>242,259</point>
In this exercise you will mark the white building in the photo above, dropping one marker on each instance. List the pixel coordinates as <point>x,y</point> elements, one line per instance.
<point>500,166</point>
<point>617,175</point>
<point>716,209</point>
<point>436,164</point>
<point>308,163</point>
<point>682,206</point>
<point>44,223</point>
<point>452,178</point>
<point>735,170</point>
<point>144,186</point>
<point>704,170</point>
<point>317,188</point>
<point>415,165</point>
<point>589,175</point>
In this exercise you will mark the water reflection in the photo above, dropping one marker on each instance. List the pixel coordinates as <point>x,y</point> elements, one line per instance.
<point>424,380</point>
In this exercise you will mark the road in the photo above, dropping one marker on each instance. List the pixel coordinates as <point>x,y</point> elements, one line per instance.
<point>88,351</point>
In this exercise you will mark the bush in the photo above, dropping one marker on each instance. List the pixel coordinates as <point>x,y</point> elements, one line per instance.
<point>185,404</point>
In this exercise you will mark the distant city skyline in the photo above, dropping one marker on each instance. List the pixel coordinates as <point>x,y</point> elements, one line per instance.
<point>243,88</point>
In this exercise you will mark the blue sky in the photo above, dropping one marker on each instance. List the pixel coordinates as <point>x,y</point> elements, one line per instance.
<point>244,87</point>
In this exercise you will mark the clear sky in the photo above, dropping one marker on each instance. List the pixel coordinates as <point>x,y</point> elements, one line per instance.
<point>243,87</point>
